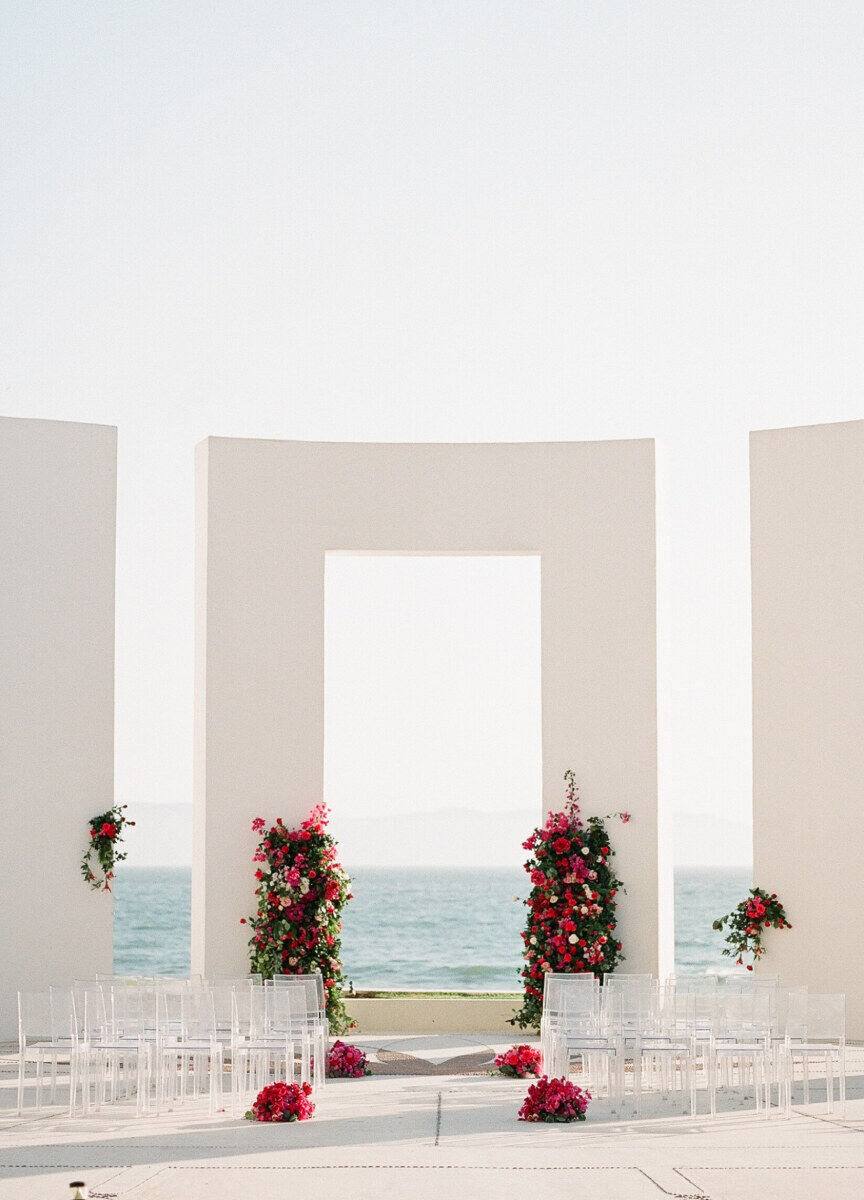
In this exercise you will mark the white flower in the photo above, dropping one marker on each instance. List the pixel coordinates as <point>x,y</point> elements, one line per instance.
<point>585,850</point>
<point>553,899</point>
<point>584,910</point>
<point>533,941</point>
<point>292,962</point>
<point>304,885</point>
<point>265,868</point>
<point>572,939</point>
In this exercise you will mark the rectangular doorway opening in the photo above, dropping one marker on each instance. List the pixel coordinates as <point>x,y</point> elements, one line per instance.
<point>433,762</point>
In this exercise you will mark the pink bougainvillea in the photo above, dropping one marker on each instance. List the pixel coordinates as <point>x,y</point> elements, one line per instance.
<point>282,1102</point>
<point>571,906</point>
<point>301,890</point>
<point>554,1100</point>
<point>519,1061</point>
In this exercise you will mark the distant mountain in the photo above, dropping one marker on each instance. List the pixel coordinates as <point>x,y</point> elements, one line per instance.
<point>449,838</point>
<point>162,836</point>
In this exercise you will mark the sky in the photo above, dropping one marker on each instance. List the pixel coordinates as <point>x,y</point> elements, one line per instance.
<point>436,222</point>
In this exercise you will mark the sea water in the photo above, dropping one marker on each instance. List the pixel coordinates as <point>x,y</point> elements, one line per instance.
<point>424,928</point>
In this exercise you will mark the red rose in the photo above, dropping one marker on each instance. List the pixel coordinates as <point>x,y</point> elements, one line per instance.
<point>108,830</point>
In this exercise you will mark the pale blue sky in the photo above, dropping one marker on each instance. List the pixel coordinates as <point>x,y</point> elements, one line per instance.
<point>436,221</point>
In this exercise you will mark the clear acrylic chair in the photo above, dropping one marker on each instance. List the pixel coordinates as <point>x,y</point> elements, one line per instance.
<point>664,1048</point>
<point>739,1047</point>
<point>120,1023</point>
<point>554,1010</point>
<point>189,1054</point>
<point>816,1031</point>
<point>318,1024</point>
<point>260,1053</point>
<point>586,1036</point>
<point>47,1036</point>
<point>291,1014</point>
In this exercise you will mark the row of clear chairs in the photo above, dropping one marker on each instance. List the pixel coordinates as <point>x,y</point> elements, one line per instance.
<point>166,1040</point>
<point>674,1037</point>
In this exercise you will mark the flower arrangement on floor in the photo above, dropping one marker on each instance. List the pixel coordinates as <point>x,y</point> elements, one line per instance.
<point>347,1062</point>
<point>301,891</point>
<point>747,922</point>
<point>106,833</point>
<point>571,906</point>
<point>282,1102</point>
<point>519,1061</point>
<point>554,1100</point>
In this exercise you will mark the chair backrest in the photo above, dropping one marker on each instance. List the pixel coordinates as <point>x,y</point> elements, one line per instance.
<point>780,1008</point>
<point>288,1008</point>
<point>751,982</point>
<point>249,1011</point>
<point>677,1012</point>
<point>63,1023</point>
<point>693,984</point>
<point>314,985</point>
<point>197,1015</point>
<point>631,1006</point>
<point>571,1002</point>
<point>34,1018</point>
<point>554,984</point>
<point>816,1017</point>
<point>741,1016</point>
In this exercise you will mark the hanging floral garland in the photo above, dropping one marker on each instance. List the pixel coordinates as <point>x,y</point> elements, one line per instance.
<point>747,922</point>
<point>571,907</point>
<point>301,891</point>
<point>106,833</point>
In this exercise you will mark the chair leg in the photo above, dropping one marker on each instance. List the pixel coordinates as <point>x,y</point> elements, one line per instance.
<point>21,1065</point>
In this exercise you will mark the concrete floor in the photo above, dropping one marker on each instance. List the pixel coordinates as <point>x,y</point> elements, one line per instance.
<point>433,1137</point>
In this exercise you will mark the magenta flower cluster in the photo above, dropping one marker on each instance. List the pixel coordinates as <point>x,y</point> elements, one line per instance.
<point>347,1062</point>
<point>554,1100</point>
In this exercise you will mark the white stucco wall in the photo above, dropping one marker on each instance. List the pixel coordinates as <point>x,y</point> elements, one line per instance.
<point>807,530</point>
<point>267,513</point>
<point>57,520</point>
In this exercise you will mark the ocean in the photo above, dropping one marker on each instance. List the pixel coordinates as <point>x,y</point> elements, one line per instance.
<point>432,929</point>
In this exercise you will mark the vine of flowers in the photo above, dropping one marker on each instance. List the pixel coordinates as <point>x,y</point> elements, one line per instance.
<point>106,833</point>
<point>571,907</point>
<point>301,889</point>
<point>746,923</point>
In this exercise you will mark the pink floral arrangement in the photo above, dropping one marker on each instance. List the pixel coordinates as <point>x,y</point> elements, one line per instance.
<point>554,1100</point>
<point>346,1062</point>
<point>302,890</point>
<point>282,1102</point>
<point>572,904</point>
<point>519,1061</point>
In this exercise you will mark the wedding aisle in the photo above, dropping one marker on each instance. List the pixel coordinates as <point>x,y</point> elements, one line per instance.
<point>435,1136</point>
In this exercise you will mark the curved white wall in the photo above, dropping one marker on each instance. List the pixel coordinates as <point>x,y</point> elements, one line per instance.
<point>807,531</point>
<point>267,513</point>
